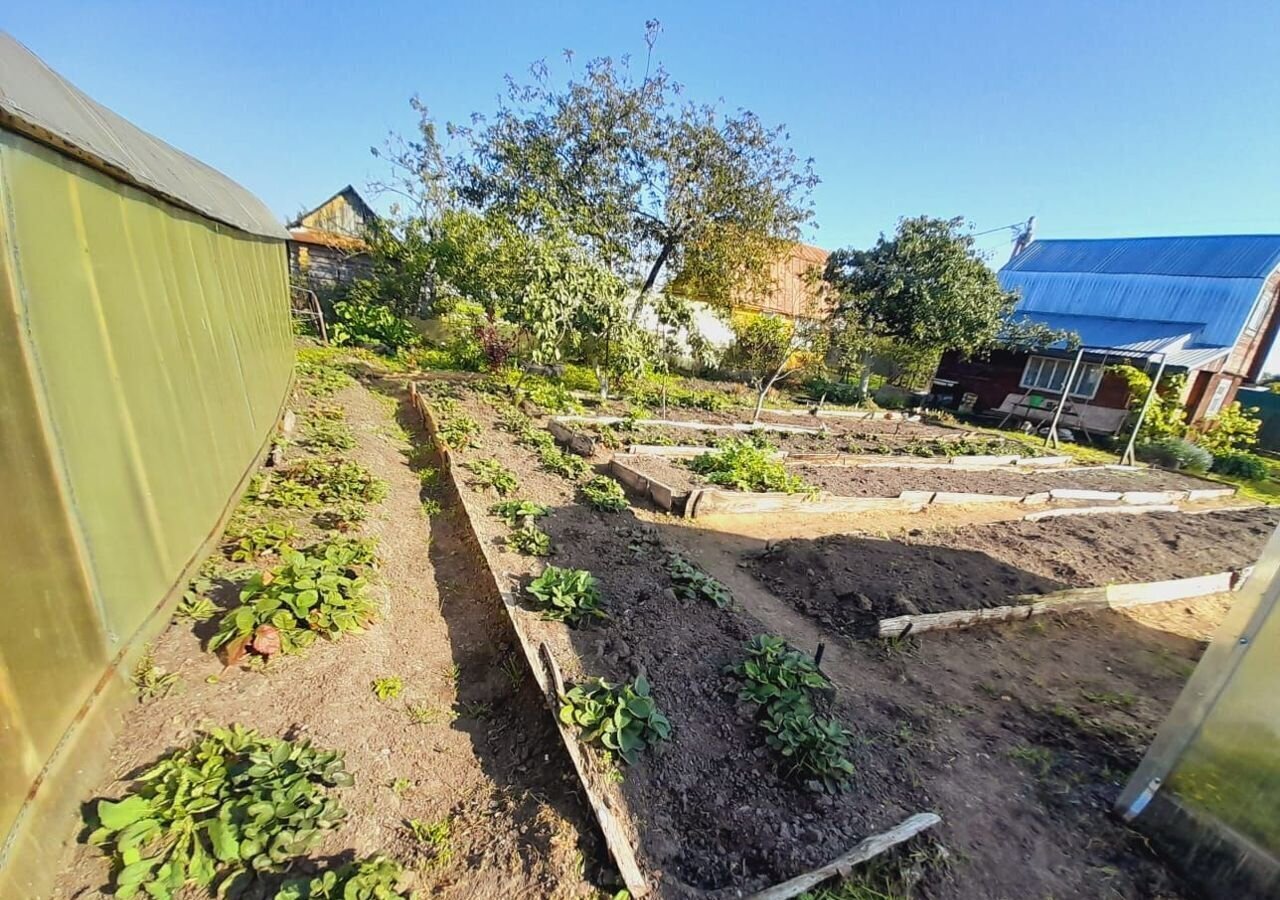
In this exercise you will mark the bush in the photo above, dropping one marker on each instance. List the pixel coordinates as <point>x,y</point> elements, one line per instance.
<point>838,392</point>
<point>744,466</point>
<point>1240,464</point>
<point>216,810</point>
<point>367,323</point>
<point>1233,428</point>
<point>1176,453</point>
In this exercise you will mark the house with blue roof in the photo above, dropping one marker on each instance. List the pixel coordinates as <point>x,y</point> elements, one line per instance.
<point>1205,306</point>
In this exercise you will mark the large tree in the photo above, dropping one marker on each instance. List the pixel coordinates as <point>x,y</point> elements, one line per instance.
<point>645,181</point>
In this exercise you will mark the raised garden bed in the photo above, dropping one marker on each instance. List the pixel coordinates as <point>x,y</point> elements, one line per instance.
<point>671,484</point>
<point>854,582</point>
<point>708,814</point>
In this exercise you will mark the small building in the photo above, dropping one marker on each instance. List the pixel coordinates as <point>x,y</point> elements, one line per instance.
<point>1206,306</point>
<point>326,245</point>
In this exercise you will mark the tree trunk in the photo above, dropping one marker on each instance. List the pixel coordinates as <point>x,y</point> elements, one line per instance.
<point>864,383</point>
<point>654,271</point>
<point>755,419</point>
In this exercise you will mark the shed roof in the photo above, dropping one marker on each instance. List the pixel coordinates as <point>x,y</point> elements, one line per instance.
<point>39,103</point>
<point>1129,290</point>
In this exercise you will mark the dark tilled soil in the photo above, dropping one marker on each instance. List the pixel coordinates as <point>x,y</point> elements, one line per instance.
<point>711,811</point>
<point>848,581</point>
<point>488,761</point>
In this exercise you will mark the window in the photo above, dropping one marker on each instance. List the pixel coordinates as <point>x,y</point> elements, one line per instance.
<point>1220,391</point>
<point>1047,374</point>
<point>1255,318</point>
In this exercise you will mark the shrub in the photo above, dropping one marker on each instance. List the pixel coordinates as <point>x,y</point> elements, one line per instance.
<point>530,540</point>
<point>744,466</point>
<point>372,878</point>
<point>285,609</point>
<point>517,512</point>
<point>567,595</point>
<point>838,392</point>
<point>1240,464</point>
<point>369,323</point>
<point>1176,453</point>
<point>489,473</point>
<point>782,681</point>
<point>230,803</point>
<point>622,718</point>
<point>605,494</point>
<point>1233,428</point>
<point>691,583</point>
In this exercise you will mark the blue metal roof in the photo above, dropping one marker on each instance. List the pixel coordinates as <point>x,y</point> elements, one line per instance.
<point>1131,291</point>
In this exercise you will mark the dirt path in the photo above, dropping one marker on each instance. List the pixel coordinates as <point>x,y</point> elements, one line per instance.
<point>484,756</point>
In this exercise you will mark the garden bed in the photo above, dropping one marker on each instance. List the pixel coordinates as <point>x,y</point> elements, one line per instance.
<point>707,813</point>
<point>851,582</point>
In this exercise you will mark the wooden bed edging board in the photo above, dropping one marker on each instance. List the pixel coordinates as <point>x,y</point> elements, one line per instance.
<point>695,426</point>
<point>545,673</point>
<point>1111,596</point>
<point>605,800</point>
<point>1101,511</point>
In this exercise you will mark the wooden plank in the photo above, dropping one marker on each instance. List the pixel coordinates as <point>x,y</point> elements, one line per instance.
<point>1120,595</point>
<point>1099,511</point>
<point>662,494</point>
<point>716,502</point>
<point>842,866</point>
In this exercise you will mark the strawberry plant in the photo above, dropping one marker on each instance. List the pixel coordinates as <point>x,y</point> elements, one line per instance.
<point>326,436</point>
<point>337,481</point>
<point>320,380</point>
<point>286,608</point>
<point>210,814</point>
<point>284,493</point>
<point>744,466</point>
<point>558,462</point>
<point>343,517</point>
<point>691,583</point>
<point>623,718</point>
<point>260,540</point>
<point>567,595</point>
<point>530,540</point>
<point>371,878</point>
<point>782,682</point>
<point>458,432</point>
<point>489,473</point>
<point>605,494</point>
<point>517,512</point>
<point>195,606</point>
<point>346,552</point>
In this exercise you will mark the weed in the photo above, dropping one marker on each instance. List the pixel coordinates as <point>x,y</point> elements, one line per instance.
<point>261,540</point>
<point>514,668</point>
<point>605,494</point>
<point>434,838</point>
<point>286,608</point>
<point>530,540</point>
<point>423,714</point>
<point>212,812</point>
<point>567,595</point>
<point>559,462</point>
<point>372,878</point>
<point>989,689</point>
<point>518,512</point>
<point>474,709</point>
<point>401,786</point>
<point>431,507</point>
<point>388,687</point>
<point>152,682</point>
<point>744,466</point>
<point>623,718</point>
<point>781,681</point>
<point>429,477</point>
<point>691,583</point>
<point>1040,759</point>
<point>489,473</point>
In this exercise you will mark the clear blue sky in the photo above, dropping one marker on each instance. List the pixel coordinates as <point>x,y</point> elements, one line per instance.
<point>1102,119</point>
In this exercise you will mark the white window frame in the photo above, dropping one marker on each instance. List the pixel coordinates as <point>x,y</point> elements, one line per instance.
<point>1219,397</point>
<point>1035,368</point>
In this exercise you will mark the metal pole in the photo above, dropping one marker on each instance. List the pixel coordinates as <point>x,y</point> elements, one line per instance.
<point>1128,458</point>
<point>1052,438</point>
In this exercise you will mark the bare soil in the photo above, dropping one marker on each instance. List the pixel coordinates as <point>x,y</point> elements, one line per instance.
<point>489,762</point>
<point>850,581</point>
<point>877,481</point>
<point>994,729</point>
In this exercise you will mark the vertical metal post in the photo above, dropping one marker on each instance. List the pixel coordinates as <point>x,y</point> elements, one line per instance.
<point>1052,438</point>
<point>1128,458</point>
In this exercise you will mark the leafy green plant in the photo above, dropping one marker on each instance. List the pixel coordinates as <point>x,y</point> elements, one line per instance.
<point>372,878</point>
<point>422,714</point>
<point>1233,428</point>
<point>459,431</point>
<point>337,481</point>
<point>259,540</point>
<point>345,516</point>
<point>286,608</point>
<point>1240,464</point>
<point>782,682</point>
<point>743,466</point>
<point>516,512</point>
<point>284,493</point>
<point>567,595</point>
<point>357,322</point>
<point>388,687</point>
<point>562,463</point>
<point>345,552</point>
<point>152,682</point>
<point>691,583</point>
<point>1176,453</point>
<point>530,540</point>
<point>489,473</point>
<point>230,803</point>
<point>434,839</point>
<point>195,605</point>
<point>326,436</point>
<point>1166,417</point>
<point>320,379</point>
<point>603,493</point>
<point>623,718</point>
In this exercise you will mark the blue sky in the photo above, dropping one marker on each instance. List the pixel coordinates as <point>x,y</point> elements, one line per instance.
<point>1102,119</point>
